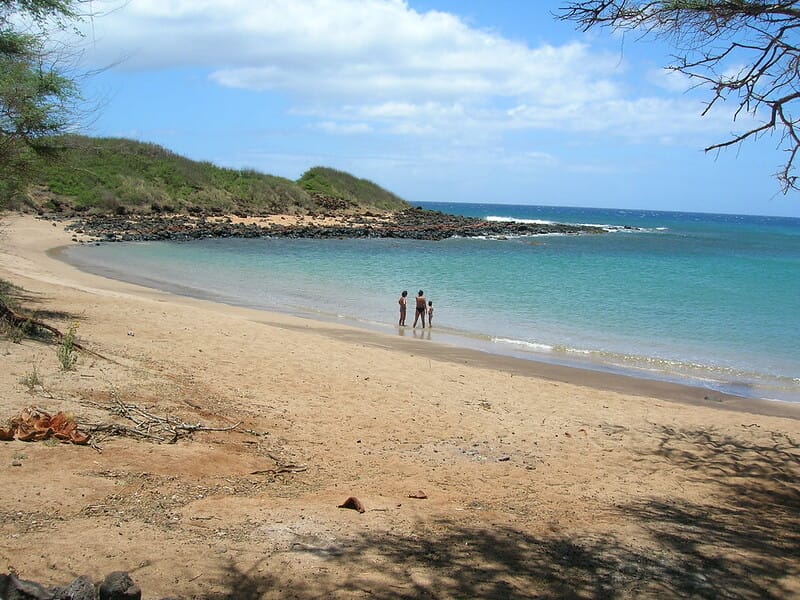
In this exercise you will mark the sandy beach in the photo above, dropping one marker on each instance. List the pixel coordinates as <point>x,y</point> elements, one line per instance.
<point>481,476</point>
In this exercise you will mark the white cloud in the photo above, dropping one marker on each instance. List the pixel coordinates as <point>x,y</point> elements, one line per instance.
<point>379,48</point>
<point>336,128</point>
<point>669,80</point>
<point>633,119</point>
<point>378,65</point>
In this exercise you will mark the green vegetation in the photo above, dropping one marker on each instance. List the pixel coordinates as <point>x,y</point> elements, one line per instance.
<point>110,175</point>
<point>343,186</point>
<point>31,379</point>
<point>37,99</point>
<point>43,169</point>
<point>67,357</point>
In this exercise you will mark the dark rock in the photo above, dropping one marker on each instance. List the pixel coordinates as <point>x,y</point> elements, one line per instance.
<point>412,223</point>
<point>13,588</point>
<point>116,586</point>
<point>81,588</point>
<point>119,586</point>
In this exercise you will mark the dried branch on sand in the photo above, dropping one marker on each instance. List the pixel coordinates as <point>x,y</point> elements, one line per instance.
<point>148,426</point>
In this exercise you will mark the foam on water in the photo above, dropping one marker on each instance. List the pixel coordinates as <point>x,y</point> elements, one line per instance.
<point>499,219</point>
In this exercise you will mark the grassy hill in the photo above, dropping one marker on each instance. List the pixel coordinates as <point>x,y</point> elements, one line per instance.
<point>111,175</point>
<point>323,181</point>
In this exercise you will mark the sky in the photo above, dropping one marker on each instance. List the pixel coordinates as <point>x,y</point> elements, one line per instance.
<point>493,101</point>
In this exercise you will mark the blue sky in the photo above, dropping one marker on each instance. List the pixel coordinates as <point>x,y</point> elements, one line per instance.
<point>453,101</point>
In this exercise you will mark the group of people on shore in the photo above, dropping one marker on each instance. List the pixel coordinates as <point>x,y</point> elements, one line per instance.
<point>421,311</point>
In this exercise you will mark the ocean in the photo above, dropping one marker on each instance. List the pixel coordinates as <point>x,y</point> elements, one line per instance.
<point>705,299</point>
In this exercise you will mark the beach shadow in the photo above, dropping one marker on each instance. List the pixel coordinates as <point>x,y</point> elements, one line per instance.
<point>15,294</point>
<point>505,564</point>
<point>743,545</point>
<point>26,301</point>
<point>748,541</point>
<point>251,584</point>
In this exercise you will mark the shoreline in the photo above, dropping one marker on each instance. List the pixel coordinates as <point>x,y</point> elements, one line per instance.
<point>460,350</point>
<point>600,378</point>
<point>712,387</point>
<point>589,378</point>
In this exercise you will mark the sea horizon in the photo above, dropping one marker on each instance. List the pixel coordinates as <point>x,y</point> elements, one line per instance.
<point>704,299</point>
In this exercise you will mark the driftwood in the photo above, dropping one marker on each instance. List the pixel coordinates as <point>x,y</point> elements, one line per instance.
<point>148,426</point>
<point>18,320</point>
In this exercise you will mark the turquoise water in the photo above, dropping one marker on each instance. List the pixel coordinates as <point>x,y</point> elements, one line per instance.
<point>712,300</point>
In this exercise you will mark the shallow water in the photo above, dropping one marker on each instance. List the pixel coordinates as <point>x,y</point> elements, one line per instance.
<point>711,300</point>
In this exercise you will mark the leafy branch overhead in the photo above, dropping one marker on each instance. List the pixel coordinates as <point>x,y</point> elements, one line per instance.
<point>38,97</point>
<point>745,51</point>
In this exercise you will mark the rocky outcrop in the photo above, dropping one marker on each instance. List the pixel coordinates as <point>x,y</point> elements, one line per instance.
<point>413,223</point>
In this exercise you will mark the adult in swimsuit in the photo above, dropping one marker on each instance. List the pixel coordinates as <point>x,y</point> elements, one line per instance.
<point>421,307</point>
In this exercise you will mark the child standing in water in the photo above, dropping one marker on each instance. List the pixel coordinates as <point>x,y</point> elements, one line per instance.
<point>402,302</point>
<point>430,313</point>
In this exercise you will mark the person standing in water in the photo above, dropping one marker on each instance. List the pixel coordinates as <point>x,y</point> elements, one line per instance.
<point>421,309</point>
<point>402,301</point>
<point>430,313</point>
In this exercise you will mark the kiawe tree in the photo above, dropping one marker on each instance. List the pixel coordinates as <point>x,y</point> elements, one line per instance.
<point>744,51</point>
<point>37,96</point>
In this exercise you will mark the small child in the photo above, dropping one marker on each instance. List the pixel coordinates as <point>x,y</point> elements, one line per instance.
<point>430,313</point>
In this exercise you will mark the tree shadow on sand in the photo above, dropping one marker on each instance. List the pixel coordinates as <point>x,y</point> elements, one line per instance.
<point>22,299</point>
<point>744,545</point>
<point>20,317</point>
<point>747,543</point>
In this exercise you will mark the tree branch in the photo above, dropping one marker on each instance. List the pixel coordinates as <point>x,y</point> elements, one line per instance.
<point>754,39</point>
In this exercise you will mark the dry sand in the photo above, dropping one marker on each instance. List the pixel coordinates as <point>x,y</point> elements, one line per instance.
<point>540,482</point>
